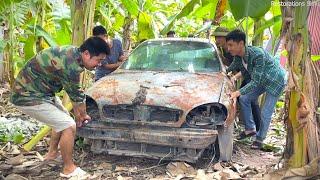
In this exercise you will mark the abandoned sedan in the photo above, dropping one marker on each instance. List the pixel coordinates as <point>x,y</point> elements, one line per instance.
<point>169,100</point>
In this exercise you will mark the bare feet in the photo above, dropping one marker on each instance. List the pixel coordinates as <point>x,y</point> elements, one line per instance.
<point>69,169</point>
<point>52,155</point>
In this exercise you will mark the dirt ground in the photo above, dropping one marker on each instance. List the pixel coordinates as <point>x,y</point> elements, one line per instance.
<point>246,163</point>
<point>102,166</point>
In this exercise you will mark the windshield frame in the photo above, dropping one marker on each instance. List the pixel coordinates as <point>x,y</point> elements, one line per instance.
<point>215,55</point>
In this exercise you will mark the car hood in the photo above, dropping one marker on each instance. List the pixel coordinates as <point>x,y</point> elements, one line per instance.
<point>179,90</point>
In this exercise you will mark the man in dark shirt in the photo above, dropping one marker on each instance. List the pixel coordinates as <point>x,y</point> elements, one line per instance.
<point>171,34</point>
<point>116,57</point>
<point>220,38</point>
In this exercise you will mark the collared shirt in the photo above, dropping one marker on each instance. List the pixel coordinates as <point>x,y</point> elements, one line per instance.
<point>238,68</point>
<point>115,52</point>
<point>263,70</point>
<point>47,73</point>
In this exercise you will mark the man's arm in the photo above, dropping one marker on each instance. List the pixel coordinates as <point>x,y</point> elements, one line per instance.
<point>71,84</point>
<point>121,59</point>
<point>234,66</point>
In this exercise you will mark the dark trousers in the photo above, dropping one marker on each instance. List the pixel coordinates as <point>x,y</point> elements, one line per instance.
<point>256,113</point>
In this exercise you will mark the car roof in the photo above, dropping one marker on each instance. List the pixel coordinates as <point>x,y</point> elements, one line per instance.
<point>180,39</point>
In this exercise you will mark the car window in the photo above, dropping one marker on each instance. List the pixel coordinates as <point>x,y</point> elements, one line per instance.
<point>188,56</point>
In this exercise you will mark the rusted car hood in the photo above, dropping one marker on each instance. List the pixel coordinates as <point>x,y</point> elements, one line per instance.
<point>179,90</point>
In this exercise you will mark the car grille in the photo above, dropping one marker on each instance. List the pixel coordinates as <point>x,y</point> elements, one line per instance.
<point>141,113</point>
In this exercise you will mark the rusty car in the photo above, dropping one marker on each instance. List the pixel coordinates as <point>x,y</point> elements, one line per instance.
<point>169,100</point>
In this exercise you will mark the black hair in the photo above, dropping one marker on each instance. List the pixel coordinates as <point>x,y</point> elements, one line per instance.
<point>95,46</point>
<point>99,30</point>
<point>236,35</point>
<point>171,33</point>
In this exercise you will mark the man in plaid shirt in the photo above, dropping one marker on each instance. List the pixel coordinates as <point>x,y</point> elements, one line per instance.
<point>267,76</point>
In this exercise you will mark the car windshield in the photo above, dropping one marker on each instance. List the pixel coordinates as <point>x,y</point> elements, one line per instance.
<point>186,56</point>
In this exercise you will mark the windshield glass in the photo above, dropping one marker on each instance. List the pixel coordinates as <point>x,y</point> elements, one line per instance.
<point>188,56</point>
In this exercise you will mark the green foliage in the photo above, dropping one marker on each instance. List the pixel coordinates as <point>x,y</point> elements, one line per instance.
<point>315,58</point>
<point>30,47</point>
<point>40,32</point>
<point>272,148</point>
<point>63,34</point>
<point>249,8</point>
<point>145,27</point>
<point>14,135</point>
<point>2,45</point>
<point>5,6</point>
<point>131,6</point>
<point>206,10</point>
<point>280,104</point>
<point>186,10</point>
<point>266,24</point>
<point>80,142</point>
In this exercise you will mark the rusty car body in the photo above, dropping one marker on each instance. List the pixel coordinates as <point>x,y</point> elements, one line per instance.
<point>167,101</point>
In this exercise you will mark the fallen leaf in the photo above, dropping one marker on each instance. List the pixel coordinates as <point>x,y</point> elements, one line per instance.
<point>5,167</point>
<point>29,163</point>
<point>107,166</point>
<point>159,177</point>
<point>17,160</point>
<point>229,174</point>
<point>176,168</point>
<point>120,168</point>
<point>133,169</point>
<point>123,178</point>
<point>180,176</point>
<point>217,167</point>
<point>14,150</point>
<point>39,156</point>
<point>201,175</point>
<point>236,167</point>
<point>15,177</point>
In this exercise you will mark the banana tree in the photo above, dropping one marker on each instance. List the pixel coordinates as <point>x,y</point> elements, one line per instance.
<point>13,14</point>
<point>302,98</point>
<point>82,15</point>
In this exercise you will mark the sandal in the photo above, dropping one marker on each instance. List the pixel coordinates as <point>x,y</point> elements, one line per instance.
<point>256,145</point>
<point>243,135</point>
<point>78,173</point>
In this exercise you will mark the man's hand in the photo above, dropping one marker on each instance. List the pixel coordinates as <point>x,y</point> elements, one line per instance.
<point>123,58</point>
<point>234,95</point>
<point>83,120</point>
<point>233,79</point>
<point>80,114</point>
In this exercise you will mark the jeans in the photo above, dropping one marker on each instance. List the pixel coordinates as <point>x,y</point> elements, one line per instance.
<point>266,112</point>
<point>255,108</point>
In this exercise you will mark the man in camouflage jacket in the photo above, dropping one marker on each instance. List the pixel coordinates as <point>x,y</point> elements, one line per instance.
<point>47,73</point>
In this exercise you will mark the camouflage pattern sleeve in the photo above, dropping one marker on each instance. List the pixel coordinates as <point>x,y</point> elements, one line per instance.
<point>47,73</point>
<point>71,81</point>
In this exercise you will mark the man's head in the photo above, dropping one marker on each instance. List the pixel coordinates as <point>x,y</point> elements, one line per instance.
<point>93,51</point>
<point>236,41</point>
<point>100,31</point>
<point>220,34</point>
<point>171,34</point>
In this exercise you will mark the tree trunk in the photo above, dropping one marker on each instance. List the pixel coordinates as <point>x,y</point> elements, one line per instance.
<point>10,47</point>
<point>2,73</point>
<point>258,40</point>
<point>127,33</point>
<point>303,144</point>
<point>82,14</point>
